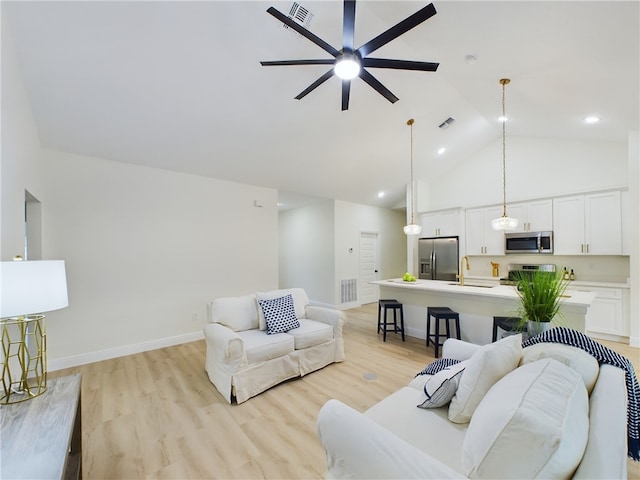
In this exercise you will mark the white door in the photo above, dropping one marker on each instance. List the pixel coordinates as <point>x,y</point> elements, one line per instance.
<point>369,261</point>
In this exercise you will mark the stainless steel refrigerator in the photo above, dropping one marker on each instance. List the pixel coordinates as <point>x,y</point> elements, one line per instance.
<point>438,258</point>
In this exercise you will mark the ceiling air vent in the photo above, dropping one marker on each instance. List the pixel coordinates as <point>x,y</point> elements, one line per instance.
<point>300,14</point>
<point>446,124</point>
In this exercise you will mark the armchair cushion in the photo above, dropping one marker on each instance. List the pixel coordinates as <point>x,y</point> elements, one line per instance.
<point>237,313</point>
<point>260,347</point>
<point>310,333</point>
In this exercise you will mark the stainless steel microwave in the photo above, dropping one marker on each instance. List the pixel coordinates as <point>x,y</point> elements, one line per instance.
<point>528,242</point>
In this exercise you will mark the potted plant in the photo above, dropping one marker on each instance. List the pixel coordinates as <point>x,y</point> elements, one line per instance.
<point>540,295</point>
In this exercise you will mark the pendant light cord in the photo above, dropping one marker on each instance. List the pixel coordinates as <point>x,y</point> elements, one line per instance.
<point>504,82</point>
<point>410,123</point>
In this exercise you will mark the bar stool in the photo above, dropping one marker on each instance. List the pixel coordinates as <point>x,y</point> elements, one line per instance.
<point>383,306</point>
<point>441,313</point>
<point>508,324</point>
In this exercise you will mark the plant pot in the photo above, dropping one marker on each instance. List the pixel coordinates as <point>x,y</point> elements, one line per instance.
<point>534,328</point>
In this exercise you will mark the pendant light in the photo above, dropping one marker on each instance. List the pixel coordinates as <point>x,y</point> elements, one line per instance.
<point>412,228</point>
<point>504,222</point>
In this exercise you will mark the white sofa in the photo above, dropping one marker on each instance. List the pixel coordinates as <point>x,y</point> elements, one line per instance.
<point>242,360</point>
<point>536,421</point>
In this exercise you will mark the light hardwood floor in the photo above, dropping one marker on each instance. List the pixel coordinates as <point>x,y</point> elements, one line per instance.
<point>156,415</point>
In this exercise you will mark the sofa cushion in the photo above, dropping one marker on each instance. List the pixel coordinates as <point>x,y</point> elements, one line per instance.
<point>237,313</point>
<point>261,347</point>
<point>428,430</point>
<point>485,367</point>
<point>300,302</point>
<point>280,314</point>
<point>311,333</point>
<point>440,388</point>
<point>583,363</point>
<point>533,423</point>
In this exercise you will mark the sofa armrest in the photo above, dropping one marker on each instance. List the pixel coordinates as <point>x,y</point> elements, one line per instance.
<point>225,346</point>
<point>454,348</point>
<point>606,452</point>
<point>357,447</point>
<point>330,316</point>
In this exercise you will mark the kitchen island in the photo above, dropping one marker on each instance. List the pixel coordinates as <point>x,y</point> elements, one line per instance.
<point>476,304</point>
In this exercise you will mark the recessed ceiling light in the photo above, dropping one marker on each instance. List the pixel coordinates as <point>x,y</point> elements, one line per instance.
<point>380,194</point>
<point>591,119</point>
<point>441,150</point>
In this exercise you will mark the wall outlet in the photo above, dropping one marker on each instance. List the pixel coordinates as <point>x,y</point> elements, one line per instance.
<point>194,317</point>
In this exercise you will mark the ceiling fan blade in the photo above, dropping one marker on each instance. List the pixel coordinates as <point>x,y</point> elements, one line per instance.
<point>348,24</point>
<point>399,64</point>
<point>303,31</point>
<point>346,90</point>
<point>397,30</point>
<point>377,86</point>
<point>315,85</point>
<point>319,61</point>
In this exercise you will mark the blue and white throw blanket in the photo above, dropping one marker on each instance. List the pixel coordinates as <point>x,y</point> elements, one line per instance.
<point>605,355</point>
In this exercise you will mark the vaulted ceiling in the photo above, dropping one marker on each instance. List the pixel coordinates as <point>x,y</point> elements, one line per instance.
<point>178,85</point>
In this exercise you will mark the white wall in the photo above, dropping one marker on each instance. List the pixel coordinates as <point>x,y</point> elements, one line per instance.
<point>20,165</point>
<point>351,219</point>
<point>535,167</point>
<point>634,238</point>
<point>307,250</point>
<point>146,249</point>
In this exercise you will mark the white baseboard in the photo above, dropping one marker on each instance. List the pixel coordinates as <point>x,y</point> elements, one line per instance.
<point>634,341</point>
<point>83,359</point>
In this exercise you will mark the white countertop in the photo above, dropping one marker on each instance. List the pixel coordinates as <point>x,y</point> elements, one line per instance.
<point>499,291</point>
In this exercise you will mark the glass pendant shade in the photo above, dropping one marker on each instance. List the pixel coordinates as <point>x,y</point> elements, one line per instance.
<point>504,223</point>
<point>412,229</point>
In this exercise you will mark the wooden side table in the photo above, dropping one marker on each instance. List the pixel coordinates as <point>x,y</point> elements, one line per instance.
<point>42,437</point>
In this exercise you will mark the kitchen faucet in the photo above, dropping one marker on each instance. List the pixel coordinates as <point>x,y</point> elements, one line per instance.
<point>460,276</point>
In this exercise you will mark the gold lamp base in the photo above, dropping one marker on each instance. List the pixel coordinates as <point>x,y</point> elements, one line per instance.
<point>23,361</point>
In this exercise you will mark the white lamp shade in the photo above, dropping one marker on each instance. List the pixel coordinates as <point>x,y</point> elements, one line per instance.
<point>412,229</point>
<point>504,223</point>
<point>32,287</point>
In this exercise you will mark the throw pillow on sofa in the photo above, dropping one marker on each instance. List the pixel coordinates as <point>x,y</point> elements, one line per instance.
<point>582,362</point>
<point>300,302</point>
<point>279,314</point>
<point>484,368</point>
<point>533,423</point>
<point>440,388</point>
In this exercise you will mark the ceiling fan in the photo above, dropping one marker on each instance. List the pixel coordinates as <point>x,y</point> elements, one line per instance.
<point>348,62</point>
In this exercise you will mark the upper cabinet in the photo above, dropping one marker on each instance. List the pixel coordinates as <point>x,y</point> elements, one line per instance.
<point>446,223</point>
<point>588,224</point>
<point>533,216</point>
<point>481,239</point>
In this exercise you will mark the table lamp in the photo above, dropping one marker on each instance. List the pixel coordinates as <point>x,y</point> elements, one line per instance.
<point>27,290</point>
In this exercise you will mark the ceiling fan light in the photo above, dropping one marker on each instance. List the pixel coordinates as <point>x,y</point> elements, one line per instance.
<point>347,68</point>
<point>504,223</point>
<point>412,229</point>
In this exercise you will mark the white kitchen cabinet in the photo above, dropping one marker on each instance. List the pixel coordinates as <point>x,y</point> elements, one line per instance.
<point>446,223</point>
<point>588,224</point>
<point>606,313</point>
<point>533,216</point>
<point>481,239</point>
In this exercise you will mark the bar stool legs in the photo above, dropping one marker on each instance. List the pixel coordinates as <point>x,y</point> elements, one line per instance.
<point>445,314</point>
<point>383,306</point>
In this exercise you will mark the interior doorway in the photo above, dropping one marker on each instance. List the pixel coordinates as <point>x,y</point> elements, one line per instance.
<point>369,261</point>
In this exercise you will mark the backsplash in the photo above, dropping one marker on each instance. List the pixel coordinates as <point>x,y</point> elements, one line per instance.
<point>587,268</point>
